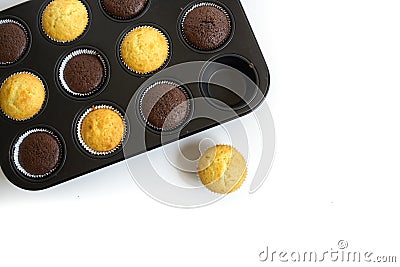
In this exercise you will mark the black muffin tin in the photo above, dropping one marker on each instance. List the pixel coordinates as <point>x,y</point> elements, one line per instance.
<point>61,111</point>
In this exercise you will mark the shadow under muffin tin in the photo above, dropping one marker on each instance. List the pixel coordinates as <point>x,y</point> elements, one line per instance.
<point>206,31</point>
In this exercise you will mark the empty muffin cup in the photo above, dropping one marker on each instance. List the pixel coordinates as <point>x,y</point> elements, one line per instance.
<point>38,153</point>
<point>206,26</point>
<point>14,41</point>
<point>144,50</point>
<point>124,9</point>
<point>101,130</point>
<point>165,106</point>
<point>83,72</point>
<point>229,81</point>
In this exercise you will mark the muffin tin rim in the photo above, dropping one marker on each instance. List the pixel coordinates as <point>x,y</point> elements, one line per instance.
<point>115,19</point>
<point>51,130</point>
<point>28,32</point>
<point>184,13</point>
<point>63,43</point>
<point>36,74</point>
<point>97,92</point>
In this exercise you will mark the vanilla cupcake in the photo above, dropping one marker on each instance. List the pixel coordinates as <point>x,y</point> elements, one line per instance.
<point>65,20</point>
<point>222,169</point>
<point>22,96</point>
<point>144,50</point>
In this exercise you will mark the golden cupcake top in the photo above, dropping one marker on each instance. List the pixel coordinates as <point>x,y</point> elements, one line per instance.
<point>65,20</point>
<point>222,169</point>
<point>102,130</point>
<point>144,50</point>
<point>22,96</point>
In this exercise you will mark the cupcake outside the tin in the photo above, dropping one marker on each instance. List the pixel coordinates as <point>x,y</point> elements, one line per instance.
<point>124,9</point>
<point>14,41</point>
<point>38,153</point>
<point>64,21</point>
<point>165,106</point>
<point>101,130</point>
<point>144,50</point>
<point>206,26</point>
<point>83,72</point>
<point>22,96</point>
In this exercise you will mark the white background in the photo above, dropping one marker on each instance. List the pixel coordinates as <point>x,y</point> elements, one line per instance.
<point>335,97</point>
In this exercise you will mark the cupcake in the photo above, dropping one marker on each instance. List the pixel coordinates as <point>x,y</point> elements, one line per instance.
<point>144,50</point>
<point>37,153</point>
<point>164,106</point>
<point>124,9</point>
<point>83,72</point>
<point>65,20</point>
<point>206,26</point>
<point>101,130</point>
<point>222,169</point>
<point>22,96</point>
<point>14,41</point>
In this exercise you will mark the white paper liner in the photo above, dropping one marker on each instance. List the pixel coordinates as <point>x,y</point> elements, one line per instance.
<point>70,56</point>
<point>45,95</point>
<point>79,127</point>
<point>137,72</point>
<point>16,153</point>
<point>150,88</point>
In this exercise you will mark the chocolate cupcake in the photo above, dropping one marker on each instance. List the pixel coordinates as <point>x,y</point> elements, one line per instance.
<point>83,72</point>
<point>14,41</point>
<point>164,106</point>
<point>37,153</point>
<point>124,9</point>
<point>206,26</point>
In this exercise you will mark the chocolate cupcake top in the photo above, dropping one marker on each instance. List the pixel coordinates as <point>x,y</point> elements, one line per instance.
<point>84,73</point>
<point>164,106</point>
<point>124,9</point>
<point>39,153</point>
<point>13,41</point>
<point>206,27</point>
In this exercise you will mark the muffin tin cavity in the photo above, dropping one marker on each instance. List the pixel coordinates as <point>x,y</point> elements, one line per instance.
<point>118,78</point>
<point>15,41</point>
<point>229,81</point>
<point>38,153</point>
<point>83,72</point>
